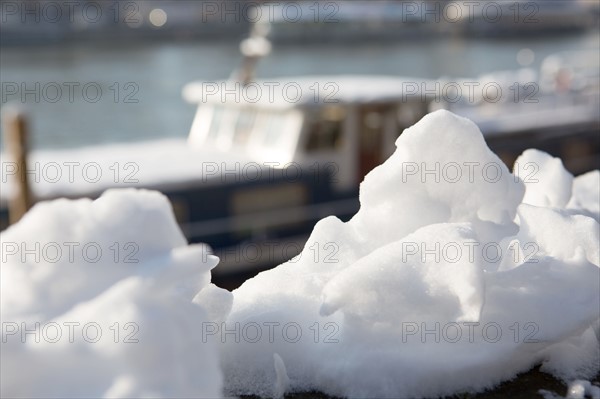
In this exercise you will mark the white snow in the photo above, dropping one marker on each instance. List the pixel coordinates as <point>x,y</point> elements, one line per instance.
<point>453,276</point>
<point>403,307</point>
<point>147,287</point>
<point>89,170</point>
<point>586,194</point>
<point>309,89</point>
<point>548,183</point>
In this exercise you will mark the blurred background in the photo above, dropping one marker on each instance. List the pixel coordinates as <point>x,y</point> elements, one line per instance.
<point>141,54</point>
<point>159,46</point>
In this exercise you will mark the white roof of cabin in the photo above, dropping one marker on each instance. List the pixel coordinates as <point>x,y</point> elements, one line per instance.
<point>307,90</point>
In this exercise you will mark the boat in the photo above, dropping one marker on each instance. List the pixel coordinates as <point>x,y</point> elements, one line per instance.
<point>555,109</point>
<point>266,159</point>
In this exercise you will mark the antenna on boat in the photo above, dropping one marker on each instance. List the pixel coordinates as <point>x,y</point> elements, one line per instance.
<point>253,49</point>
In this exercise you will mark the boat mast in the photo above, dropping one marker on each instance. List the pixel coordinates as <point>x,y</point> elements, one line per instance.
<point>253,49</point>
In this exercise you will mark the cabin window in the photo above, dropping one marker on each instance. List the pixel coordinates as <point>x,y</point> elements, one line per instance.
<point>410,113</point>
<point>215,123</point>
<point>274,129</point>
<point>326,132</point>
<point>243,127</point>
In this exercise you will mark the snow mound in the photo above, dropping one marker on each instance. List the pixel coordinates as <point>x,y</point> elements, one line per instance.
<point>454,275</point>
<point>97,302</point>
<point>586,194</point>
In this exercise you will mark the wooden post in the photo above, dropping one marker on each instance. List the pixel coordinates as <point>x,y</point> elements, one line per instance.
<point>15,135</point>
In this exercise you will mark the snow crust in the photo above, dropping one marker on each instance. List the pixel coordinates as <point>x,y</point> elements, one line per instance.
<point>455,275</point>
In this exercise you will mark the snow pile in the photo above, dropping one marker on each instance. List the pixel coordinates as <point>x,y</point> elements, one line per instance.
<point>97,302</point>
<point>454,275</point>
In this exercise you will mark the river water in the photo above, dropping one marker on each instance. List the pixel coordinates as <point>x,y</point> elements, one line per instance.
<point>80,95</point>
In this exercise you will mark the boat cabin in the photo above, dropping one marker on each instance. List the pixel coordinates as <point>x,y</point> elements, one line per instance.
<point>347,125</point>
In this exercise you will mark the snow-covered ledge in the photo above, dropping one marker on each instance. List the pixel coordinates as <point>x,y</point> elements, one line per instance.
<point>454,276</point>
